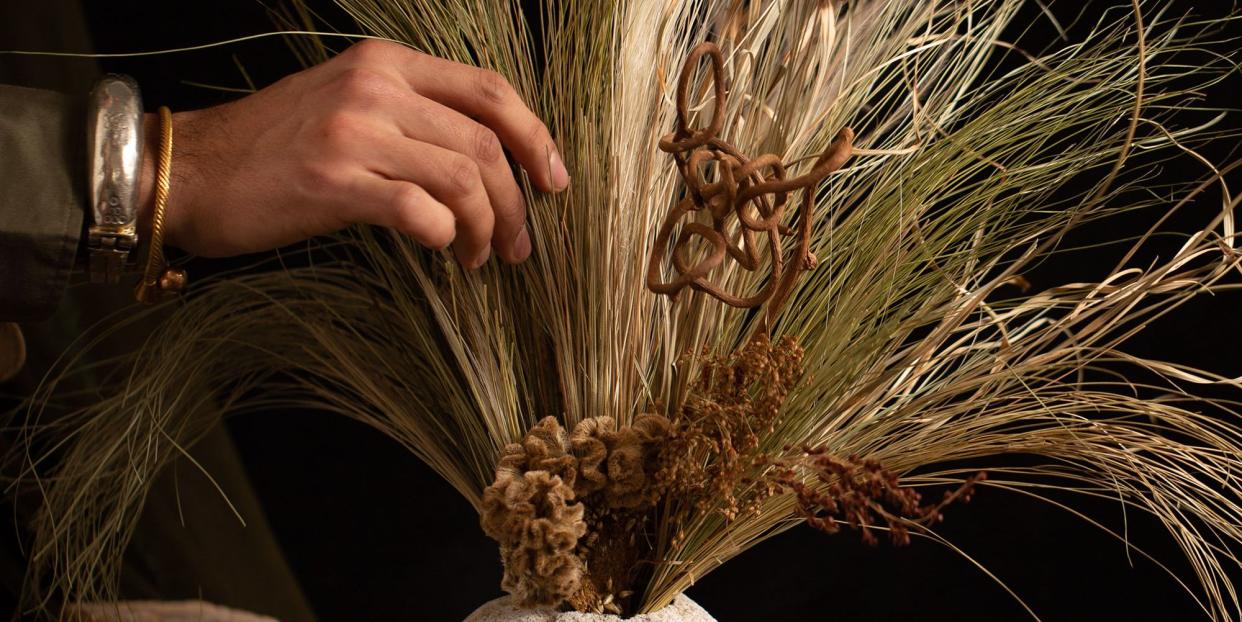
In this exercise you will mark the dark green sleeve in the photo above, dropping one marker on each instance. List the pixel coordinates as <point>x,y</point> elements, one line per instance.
<point>42,199</point>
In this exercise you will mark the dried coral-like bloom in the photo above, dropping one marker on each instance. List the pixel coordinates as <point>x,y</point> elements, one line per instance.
<point>591,448</point>
<point>530,507</point>
<point>541,569</point>
<point>651,428</point>
<point>547,449</point>
<point>529,510</point>
<point>625,471</point>
<point>619,462</point>
<point>633,462</point>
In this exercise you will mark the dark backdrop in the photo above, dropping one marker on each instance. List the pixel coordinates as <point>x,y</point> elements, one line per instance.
<point>375,535</point>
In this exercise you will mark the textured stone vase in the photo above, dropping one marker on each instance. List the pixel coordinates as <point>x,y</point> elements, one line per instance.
<point>503,609</point>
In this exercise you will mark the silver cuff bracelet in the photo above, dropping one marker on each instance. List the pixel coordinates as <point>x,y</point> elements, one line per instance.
<point>114,147</point>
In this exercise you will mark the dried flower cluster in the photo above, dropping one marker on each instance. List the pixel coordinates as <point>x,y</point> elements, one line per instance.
<point>572,511</point>
<point>716,440</point>
<point>861,493</point>
<point>603,481</point>
<point>530,508</point>
<point>618,462</point>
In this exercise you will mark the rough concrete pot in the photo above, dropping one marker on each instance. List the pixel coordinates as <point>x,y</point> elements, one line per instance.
<point>503,609</point>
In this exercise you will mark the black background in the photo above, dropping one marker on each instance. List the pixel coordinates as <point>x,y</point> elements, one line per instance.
<point>375,535</point>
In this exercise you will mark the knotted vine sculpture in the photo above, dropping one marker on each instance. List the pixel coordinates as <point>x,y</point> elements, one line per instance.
<point>753,193</point>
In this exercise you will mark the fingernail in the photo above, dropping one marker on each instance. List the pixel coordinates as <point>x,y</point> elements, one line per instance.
<point>560,175</point>
<point>521,244</point>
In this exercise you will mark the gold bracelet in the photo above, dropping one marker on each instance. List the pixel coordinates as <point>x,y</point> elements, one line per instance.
<point>160,281</point>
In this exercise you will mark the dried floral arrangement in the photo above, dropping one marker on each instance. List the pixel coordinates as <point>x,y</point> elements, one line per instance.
<point>581,517</point>
<point>707,349</point>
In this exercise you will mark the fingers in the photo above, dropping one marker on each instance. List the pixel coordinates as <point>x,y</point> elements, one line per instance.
<point>405,207</point>
<point>480,94</point>
<point>434,123</point>
<point>452,178</point>
<point>487,96</point>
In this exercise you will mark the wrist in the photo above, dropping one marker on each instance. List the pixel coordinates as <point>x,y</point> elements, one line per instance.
<point>146,178</point>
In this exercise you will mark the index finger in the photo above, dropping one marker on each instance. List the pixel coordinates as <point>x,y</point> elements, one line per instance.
<point>486,96</point>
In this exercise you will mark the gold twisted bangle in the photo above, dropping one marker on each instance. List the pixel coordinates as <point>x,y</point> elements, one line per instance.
<point>159,280</point>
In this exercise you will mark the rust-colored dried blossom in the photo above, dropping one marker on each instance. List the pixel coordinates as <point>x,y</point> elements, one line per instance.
<point>714,445</point>
<point>538,527</point>
<point>589,447</point>
<point>546,448</point>
<point>618,462</point>
<point>861,493</point>
<point>528,508</point>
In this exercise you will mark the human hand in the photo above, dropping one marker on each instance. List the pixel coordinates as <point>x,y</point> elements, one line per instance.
<point>380,135</point>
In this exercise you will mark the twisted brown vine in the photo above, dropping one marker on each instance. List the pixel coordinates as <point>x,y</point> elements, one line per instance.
<point>756,192</point>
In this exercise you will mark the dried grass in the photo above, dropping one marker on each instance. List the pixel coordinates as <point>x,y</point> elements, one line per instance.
<point>921,352</point>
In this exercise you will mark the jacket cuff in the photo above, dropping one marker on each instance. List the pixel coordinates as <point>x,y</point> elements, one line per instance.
<point>42,199</point>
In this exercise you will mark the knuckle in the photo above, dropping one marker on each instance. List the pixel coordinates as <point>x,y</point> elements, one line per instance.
<point>409,200</point>
<point>486,145</point>
<point>492,87</point>
<point>370,49</point>
<point>485,219</point>
<point>463,176</point>
<point>515,213</point>
<point>412,217</point>
<point>537,134</point>
<point>359,85</point>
